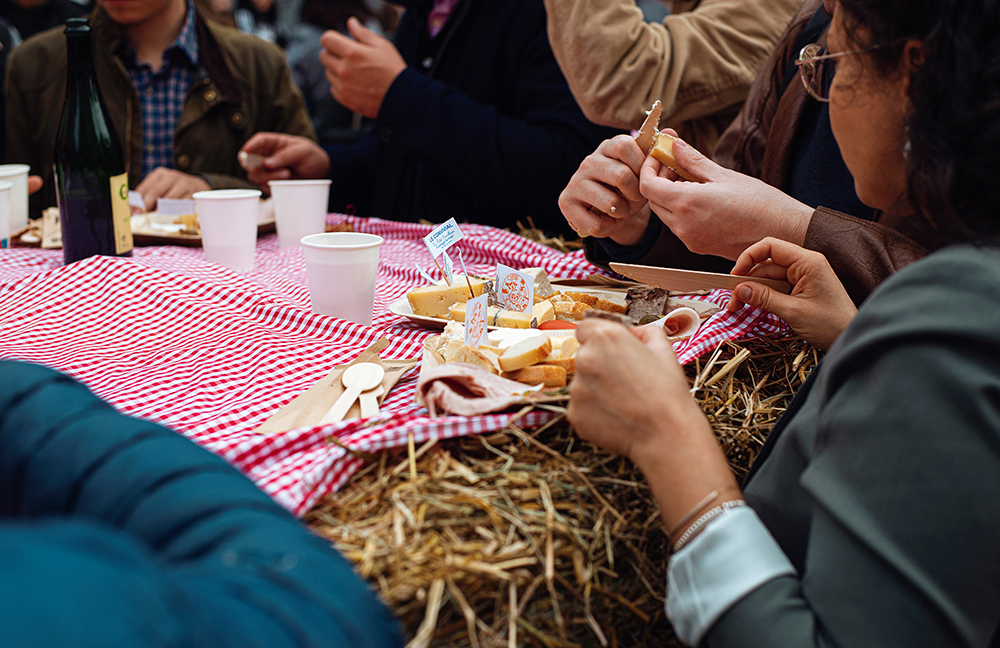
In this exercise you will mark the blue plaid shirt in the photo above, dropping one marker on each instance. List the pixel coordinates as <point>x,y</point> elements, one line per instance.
<point>162,93</point>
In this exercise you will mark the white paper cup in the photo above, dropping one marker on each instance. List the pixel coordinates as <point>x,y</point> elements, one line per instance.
<point>17,174</point>
<point>228,222</point>
<point>299,208</point>
<point>342,268</point>
<point>5,228</point>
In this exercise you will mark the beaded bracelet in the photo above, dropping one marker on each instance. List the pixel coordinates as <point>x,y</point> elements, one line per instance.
<point>697,525</point>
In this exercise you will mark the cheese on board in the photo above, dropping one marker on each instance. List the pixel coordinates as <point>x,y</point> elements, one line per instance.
<point>433,301</point>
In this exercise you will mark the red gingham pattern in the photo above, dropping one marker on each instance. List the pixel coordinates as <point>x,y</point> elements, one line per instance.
<point>213,353</point>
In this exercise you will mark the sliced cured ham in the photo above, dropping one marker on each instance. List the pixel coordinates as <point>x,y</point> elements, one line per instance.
<point>466,390</point>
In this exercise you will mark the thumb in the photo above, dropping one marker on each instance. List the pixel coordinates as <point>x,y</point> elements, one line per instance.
<point>361,33</point>
<point>692,164</point>
<point>766,299</point>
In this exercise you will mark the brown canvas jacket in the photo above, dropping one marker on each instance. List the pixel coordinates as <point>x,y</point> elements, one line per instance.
<point>245,87</point>
<point>700,62</point>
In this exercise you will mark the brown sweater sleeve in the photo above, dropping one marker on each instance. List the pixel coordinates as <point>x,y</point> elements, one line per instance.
<point>862,253</point>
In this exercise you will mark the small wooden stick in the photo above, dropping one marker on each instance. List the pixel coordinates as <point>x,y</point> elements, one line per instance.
<point>466,272</point>
<point>441,271</point>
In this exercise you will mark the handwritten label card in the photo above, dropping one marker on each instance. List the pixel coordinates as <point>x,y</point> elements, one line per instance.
<point>475,322</point>
<point>515,290</point>
<point>443,237</point>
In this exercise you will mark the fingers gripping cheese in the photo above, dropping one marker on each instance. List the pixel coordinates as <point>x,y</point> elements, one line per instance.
<point>663,152</point>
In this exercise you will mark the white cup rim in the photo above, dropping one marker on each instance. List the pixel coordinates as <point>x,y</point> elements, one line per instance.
<point>375,241</point>
<point>299,183</point>
<point>226,194</point>
<point>13,169</point>
<point>6,185</point>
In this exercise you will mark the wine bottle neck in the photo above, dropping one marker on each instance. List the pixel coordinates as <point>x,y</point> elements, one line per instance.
<point>80,65</point>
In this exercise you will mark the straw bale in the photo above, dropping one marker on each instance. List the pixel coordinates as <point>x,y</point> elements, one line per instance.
<point>538,538</point>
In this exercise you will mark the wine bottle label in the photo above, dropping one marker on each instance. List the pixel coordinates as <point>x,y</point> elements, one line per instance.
<point>121,213</point>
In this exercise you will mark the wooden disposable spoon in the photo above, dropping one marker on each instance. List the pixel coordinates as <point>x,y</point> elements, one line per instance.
<point>357,378</point>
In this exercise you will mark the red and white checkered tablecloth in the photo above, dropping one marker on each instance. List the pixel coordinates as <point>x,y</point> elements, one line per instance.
<point>213,353</point>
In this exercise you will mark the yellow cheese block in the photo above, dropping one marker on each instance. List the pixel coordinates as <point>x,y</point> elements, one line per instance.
<point>496,317</point>
<point>663,152</point>
<point>512,319</point>
<point>433,301</point>
<point>543,312</point>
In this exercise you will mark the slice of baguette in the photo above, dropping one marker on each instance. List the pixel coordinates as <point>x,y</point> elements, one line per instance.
<point>475,357</point>
<point>525,353</point>
<point>548,375</point>
<point>601,301</point>
<point>570,311</point>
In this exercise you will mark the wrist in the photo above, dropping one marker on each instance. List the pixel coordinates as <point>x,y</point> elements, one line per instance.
<point>633,230</point>
<point>797,223</point>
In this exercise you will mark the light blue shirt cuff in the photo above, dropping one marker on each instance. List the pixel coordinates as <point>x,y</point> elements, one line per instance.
<point>734,555</point>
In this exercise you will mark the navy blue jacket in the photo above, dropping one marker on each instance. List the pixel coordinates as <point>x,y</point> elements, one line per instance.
<point>481,126</point>
<point>119,532</point>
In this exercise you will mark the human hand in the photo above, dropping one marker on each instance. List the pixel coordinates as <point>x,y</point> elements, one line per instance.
<point>360,71</point>
<point>818,309</point>
<point>34,183</point>
<point>602,198</point>
<point>162,182</point>
<point>286,157</point>
<point>629,395</point>
<point>724,212</point>
<point>628,392</point>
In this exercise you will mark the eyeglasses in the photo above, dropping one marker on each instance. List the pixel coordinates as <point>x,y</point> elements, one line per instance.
<point>817,69</point>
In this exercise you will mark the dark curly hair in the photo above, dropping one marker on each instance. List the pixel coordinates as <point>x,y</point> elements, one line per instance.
<point>953,168</point>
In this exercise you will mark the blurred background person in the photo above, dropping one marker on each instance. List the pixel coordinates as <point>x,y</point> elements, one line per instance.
<point>183,93</point>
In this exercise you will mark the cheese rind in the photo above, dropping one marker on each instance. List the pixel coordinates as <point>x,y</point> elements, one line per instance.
<point>434,301</point>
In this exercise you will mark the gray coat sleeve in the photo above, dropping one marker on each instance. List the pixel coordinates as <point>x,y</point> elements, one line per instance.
<point>903,536</point>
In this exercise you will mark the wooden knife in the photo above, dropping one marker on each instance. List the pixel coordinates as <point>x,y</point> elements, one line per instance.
<point>690,280</point>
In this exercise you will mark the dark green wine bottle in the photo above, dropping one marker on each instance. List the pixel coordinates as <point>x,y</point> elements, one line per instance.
<point>91,181</point>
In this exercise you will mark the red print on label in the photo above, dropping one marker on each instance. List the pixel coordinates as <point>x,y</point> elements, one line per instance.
<point>515,292</point>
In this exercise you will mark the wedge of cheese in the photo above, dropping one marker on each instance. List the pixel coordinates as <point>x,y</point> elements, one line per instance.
<point>543,312</point>
<point>543,288</point>
<point>433,301</point>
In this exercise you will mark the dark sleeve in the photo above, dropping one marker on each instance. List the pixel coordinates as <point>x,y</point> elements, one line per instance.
<point>119,531</point>
<point>658,247</point>
<point>353,171</point>
<point>523,161</point>
<point>903,541</point>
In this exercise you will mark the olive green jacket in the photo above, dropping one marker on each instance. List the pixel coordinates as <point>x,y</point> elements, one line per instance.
<point>243,86</point>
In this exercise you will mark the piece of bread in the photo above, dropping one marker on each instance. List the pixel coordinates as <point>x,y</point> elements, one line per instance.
<point>476,357</point>
<point>663,152</point>
<point>546,374</point>
<point>525,353</point>
<point>570,311</point>
<point>601,301</point>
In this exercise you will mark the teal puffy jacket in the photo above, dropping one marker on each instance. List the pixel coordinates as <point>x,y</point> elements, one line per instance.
<point>119,532</point>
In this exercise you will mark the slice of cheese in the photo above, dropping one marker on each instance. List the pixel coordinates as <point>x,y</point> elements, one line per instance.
<point>543,312</point>
<point>525,353</point>
<point>566,345</point>
<point>433,301</point>
<point>663,152</point>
